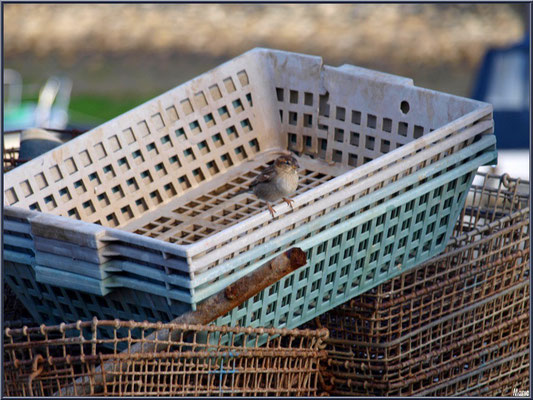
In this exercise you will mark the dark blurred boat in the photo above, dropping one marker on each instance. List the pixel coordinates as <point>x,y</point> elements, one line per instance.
<point>503,81</point>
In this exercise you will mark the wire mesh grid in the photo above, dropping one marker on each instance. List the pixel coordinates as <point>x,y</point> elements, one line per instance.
<point>84,358</point>
<point>460,312</point>
<point>505,377</point>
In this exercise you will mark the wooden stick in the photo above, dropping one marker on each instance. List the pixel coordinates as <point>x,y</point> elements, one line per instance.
<point>206,312</point>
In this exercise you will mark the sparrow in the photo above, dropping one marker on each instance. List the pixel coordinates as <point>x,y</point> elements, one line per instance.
<point>276,182</point>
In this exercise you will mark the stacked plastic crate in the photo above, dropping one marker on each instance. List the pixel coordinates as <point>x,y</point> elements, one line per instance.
<point>457,325</point>
<point>137,218</point>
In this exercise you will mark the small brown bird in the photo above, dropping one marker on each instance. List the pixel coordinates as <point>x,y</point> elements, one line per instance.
<point>275,182</point>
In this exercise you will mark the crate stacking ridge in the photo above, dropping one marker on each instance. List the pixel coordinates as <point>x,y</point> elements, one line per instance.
<point>137,218</point>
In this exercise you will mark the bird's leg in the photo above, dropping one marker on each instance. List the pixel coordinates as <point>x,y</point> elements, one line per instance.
<point>272,212</point>
<point>289,202</point>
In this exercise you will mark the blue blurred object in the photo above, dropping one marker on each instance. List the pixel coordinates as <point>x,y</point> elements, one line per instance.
<point>503,81</point>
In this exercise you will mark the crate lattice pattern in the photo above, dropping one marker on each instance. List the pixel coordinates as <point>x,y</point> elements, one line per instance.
<point>348,136</point>
<point>216,210</point>
<point>125,174</point>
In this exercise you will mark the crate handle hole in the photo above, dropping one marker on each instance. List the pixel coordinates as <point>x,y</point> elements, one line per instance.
<point>404,106</point>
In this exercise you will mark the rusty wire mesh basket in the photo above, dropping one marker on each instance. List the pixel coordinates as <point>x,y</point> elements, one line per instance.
<point>458,324</point>
<point>11,158</point>
<point>76,359</point>
<point>506,377</point>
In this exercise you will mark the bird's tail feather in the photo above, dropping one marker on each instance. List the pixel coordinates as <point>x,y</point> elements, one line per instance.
<point>241,192</point>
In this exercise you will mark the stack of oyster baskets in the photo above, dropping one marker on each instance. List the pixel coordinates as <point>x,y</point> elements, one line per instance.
<point>456,325</point>
<point>136,219</point>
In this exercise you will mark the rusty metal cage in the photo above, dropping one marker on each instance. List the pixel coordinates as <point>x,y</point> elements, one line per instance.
<point>75,359</point>
<point>458,324</point>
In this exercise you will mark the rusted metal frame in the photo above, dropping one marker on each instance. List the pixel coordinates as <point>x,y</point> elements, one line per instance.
<point>448,299</point>
<point>523,215</point>
<point>480,193</point>
<point>517,218</point>
<point>490,390</point>
<point>426,290</point>
<point>456,240</point>
<point>430,289</point>
<point>259,351</point>
<point>94,323</point>
<point>511,258</point>
<point>484,390</point>
<point>431,372</point>
<point>426,356</point>
<point>444,258</point>
<point>351,362</point>
<point>362,362</point>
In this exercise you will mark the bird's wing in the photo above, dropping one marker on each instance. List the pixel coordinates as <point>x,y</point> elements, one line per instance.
<point>265,176</point>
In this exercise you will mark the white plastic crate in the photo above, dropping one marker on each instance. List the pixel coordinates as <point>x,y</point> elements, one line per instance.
<point>153,188</point>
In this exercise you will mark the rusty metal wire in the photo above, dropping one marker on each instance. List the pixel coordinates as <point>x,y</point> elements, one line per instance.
<point>500,378</point>
<point>46,360</point>
<point>11,159</point>
<point>435,328</point>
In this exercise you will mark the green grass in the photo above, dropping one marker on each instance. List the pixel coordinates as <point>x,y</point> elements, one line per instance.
<point>94,109</point>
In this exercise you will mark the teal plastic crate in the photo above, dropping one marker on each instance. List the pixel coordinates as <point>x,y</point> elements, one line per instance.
<point>415,223</point>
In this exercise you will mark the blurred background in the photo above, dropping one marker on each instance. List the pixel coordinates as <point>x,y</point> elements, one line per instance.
<point>75,66</point>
